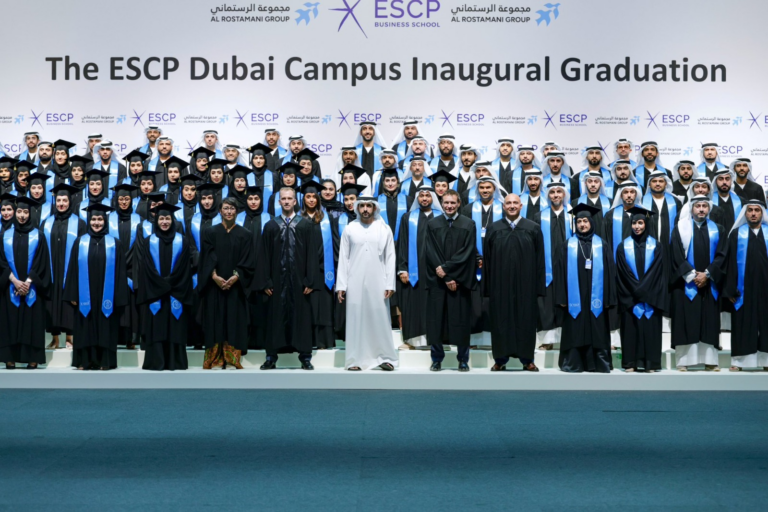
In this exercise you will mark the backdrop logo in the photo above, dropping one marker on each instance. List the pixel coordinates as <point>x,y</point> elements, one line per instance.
<point>363,117</point>
<point>548,119</point>
<point>303,14</point>
<point>719,121</point>
<point>18,119</point>
<point>323,149</point>
<point>224,119</point>
<point>161,118</point>
<point>54,118</point>
<point>731,150</point>
<point>533,120</point>
<point>652,120</point>
<point>546,15</point>
<point>343,118</point>
<point>241,118</point>
<point>446,118</point>
<point>349,12</point>
<point>36,118</point>
<point>754,120</point>
<point>137,118</point>
<point>675,120</point>
<point>470,119</point>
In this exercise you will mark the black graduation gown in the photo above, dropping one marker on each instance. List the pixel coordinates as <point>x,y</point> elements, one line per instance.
<point>321,299</point>
<point>513,279</point>
<point>224,314</point>
<point>750,190</point>
<point>129,319</point>
<point>165,335</point>
<point>173,192</point>
<point>463,187</point>
<point>22,336</point>
<point>368,162</point>
<point>61,314</point>
<point>194,329</point>
<point>679,190</point>
<point>749,323</point>
<point>727,216</point>
<point>289,311</point>
<point>95,336</point>
<point>585,344</point>
<point>7,187</point>
<point>391,218</point>
<point>257,299</point>
<point>339,310</point>
<point>607,235</point>
<point>481,320</point>
<point>413,299</point>
<point>696,320</point>
<point>449,314</point>
<point>597,218</point>
<point>550,314</point>
<point>641,338</point>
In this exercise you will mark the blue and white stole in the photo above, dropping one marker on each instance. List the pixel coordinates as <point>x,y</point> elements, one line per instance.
<point>702,167</point>
<point>648,203</point>
<point>629,251</point>
<point>45,211</point>
<point>546,231</point>
<point>477,218</point>
<point>714,237</point>
<point>434,164</point>
<point>9,256</point>
<point>605,203</point>
<point>736,201</point>
<point>546,180</point>
<point>376,180</point>
<point>114,226</point>
<point>146,228</point>
<point>517,187</point>
<point>240,219</point>
<point>406,185</point>
<point>641,176</point>
<point>401,209</point>
<point>413,237</point>
<point>84,285</point>
<point>741,259</point>
<point>196,223</point>
<point>72,223</point>
<point>154,251</point>
<point>328,267</point>
<point>574,294</point>
<point>402,149</point>
<point>524,200</point>
<point>85,203</point>
<point>376,154</point>
<point>267,189</point>
<point>607,181</point>
<point>617,217</point>
<point>343,222</point>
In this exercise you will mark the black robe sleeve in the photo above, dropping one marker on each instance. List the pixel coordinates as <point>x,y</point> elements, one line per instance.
<point>153,286</point>
<point>730,286</point>
<point>208,260</point>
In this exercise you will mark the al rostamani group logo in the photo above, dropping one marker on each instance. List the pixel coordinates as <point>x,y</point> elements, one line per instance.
<point>251,13</point>
<point>502,14</point>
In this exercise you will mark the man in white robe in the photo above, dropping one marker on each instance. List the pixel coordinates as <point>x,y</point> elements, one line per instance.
<point>367,272</point>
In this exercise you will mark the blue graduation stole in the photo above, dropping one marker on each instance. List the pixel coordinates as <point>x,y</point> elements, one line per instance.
<point>343,221</point>
<point>240,219</point>
<point>83,284</point>
<point>376,153</point>
<point>605,203</point>
<point>641,176</point>
<point>197,220</point>
<point>741,259</point>
<point>517,180</point>
<point>629,250</point>
<point>146,228</point>
<point>330,274</point>
<point>702,167</point>
<point>145,148</point>
<point>154,250</point>
<point>434,164</point>
<point>607,181</point>
<point>32,250</point>
<point>413,254</point>
<point>574,295</point>
<point>546,231</point>
<point>267,188</point>
<point>45,211</point>
<point>671,209</point>
<point>524,200</point>
<point>71,236</point>
<point>114,224</point>
<point>86,203</point>
<point>546,180</point>
<point>477,218</point>
<point>377,180</point>
<point>736,202</point>
<point>179,216</point>
<point>714,237</point>
<point>401,209</point>
<point>402,148</point>
<point>406,185</point>
<point>618,221</point>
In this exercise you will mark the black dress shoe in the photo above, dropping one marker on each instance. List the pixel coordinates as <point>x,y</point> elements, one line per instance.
<point>530,367</point>
<point>498,368</point>
<point>306,365</point>
<point>436,367</point>
<point>463,367</point>
<point>268,365</point>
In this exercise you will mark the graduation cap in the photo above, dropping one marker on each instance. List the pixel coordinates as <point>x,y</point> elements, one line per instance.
<point>584,207</point>
<point>7,197</point>
<point>155,197</point>
<point>307,153</point>
<point>125,187</point>
<point>38,176</point>
<point>311,187</point>
<point>209,187</point>
<point>238,169</point>
<point>25,165</point>
<point>392,172</point>
<point>352,168</point>
<point>217,162</point>
<point>260,147</point>
<point>147,175</point>
<point>177,162</point>
<point>254,191</point>
<point>189,179</point>
<point>61,143</point>
<point>164,207</point>
<point>202,152</point>
<point>95,174</point>
<point>289,168</point>
<point>25,203</point>
<point>640,210</point>
<point>135,156</point>
<point>7,162</point>
<point>442,175</point>
<point>351,188</point>
<point>79,161</point>
<point>98,207</point>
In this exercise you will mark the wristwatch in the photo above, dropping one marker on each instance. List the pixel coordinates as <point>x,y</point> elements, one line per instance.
<point>234,273</point>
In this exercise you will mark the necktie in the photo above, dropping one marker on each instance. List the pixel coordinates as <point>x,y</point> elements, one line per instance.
<point>512,225</point>
<point>287,221</point>
<point>450,223</point>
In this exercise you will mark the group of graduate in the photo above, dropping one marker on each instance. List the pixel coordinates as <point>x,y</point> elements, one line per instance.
<point>232,248</point>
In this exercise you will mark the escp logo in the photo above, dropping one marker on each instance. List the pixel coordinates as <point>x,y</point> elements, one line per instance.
<point>730,150</point>
<point>162,117</point>
<point>675,118</point>
<point>362,117</point>
<point>572,118</point>
<point>469,118</point>
<point>264,117</point>
<point>400,8</point>
<point>61,117</point>
<point>321,148</point>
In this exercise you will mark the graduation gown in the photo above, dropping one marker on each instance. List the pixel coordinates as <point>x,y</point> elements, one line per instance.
<point>224,314</point>
<point>22,336</point>
<point>391,220</point>
<point>95,336</point>
<point>750,190</point>
<point>749,323</point>
<point>585,344</point>
<point>513,279</point>
<point>696,320</point>
<point>480,316</point>
<point>607,235</point>
<point>413,299</point>
<point>322,298</point>
<point>129,319</point>
<point>550,315</point>
<point>339,309</point>
<point>289,311</point>
<point>641,337</point>
<point>165,335</point>
<point>257,299</point>
<point>61,314</point>
<point>449,314</point>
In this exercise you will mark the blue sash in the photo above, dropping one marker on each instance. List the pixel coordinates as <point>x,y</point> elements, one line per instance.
<point>146,228</point>
<point>618,221</point>
<point>406,185</point>
<point>702,167</point>
<point>71,236</point>
<point>268,188</point>
<point>86,203</point>
<point>154,250</point>
<point>671,209</point>
<point>8,248</point>
<point>517,181</point>
<point>434,164</point>
<point>605,203</point>
<point>401,210</point>
<point>376,154</point>
<point>629,252</point>
<point>114,226</point>
<point>240,219</point>
<point>477,218</point>
<point>402,148</point>
<point>741,259</point>
<point>574,294</point>
<point>84,286</point>
<point>413,252</point>
<point>330,275</point>
<point>524,200</point>
<point>546,231</point>
<point>197,222</point>
<point>734,198</point>
<point>343,221</point>
<point>641,177</point>
<point>546,180</point>
<point>45,212</point>
<point>714,237</point>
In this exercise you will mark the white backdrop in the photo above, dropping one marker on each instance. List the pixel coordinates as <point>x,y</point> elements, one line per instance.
<point>732,110</point>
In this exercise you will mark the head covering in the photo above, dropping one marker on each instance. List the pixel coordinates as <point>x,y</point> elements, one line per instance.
<point>617,189</point>
<point>742,218</point>
<point>400,137</point>
<point>435,200</point>
<point>584,211</point>
<point>565,170</point>
<point>640,213</point>
<point>708,145</point>
<point>378,138</point>
<point>499,142</point>
<point>498,189</point>
<point>604,162</point>
<point>351,188</point>
<point>280,143</point>
<point>676,171</point>
<point>428,147</point>
<point>685,224</point>
<point>254,191</point>
<point>536,173</point>
<point>623,141</point>
<point>241,158</point>
<point>200,144</point>
<point>368,200</point>
<point>658,173</point>
<point>259,149</point>
<point>699,179</point>
<point>441,175</point>
<point>614,176</point>
<point>535,161</point>
<point>558,184</point>
<point>747,161</point>
<point>408,174</point>
<point>593,174</point>
<point>644,145</point>
<point>449,137</point>
<point>143,140</point>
